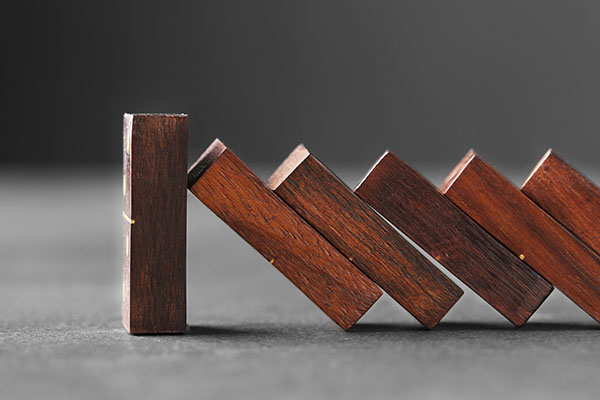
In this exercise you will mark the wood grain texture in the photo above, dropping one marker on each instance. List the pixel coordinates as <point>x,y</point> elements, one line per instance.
<point>375,247</point>
<point>567,195</point>
<point>154,222</point>
<point>414,205</point>
<point>224,184</point>
<point>514,219</point>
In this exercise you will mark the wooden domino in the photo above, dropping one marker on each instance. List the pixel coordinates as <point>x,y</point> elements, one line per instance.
<point>375,247</point>
<point>154,220</point>
<point>538,239</point>
<point>572,199</point>
<point>235,194</point>
<point>337,245</point>
<point>415,206</point>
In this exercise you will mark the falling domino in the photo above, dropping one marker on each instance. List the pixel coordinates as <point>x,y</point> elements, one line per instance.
<point>516,221</point>
<point>326,203</point>
<point>572,199</point>
<point>154,220</point>
<point>415,206</point>
<point>224,184</point>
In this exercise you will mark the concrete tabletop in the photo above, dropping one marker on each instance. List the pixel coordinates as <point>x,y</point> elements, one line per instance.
<point>252,333</point>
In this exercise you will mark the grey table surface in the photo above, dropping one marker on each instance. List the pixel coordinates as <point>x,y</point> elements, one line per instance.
<point>252,333</point>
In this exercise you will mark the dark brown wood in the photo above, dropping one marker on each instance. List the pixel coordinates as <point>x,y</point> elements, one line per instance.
<point>514,219</point>
<point>414,205</point>
<point>154,222</point>
<point>567,195</point>
<point>222,182</point>
<point>375,247</point>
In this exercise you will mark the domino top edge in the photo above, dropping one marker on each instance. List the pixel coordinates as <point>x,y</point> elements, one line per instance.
<point>210,155</point>
<point>162,115</point>
<point>364,178</point>
<point>547,155</point>
<point>292,161</point>
<point>455,173</point>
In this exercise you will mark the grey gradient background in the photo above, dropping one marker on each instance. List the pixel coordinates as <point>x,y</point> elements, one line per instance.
<point>426,79</point>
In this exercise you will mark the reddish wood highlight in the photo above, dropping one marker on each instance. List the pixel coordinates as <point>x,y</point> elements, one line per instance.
<point>375,247</point>
<point>514,219</point>
<point>154,222</point>
<point>414,205</point>
<point>222,182</point>
<point>572,199</point>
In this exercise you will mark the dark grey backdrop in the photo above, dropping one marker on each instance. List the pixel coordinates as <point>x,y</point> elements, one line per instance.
<point>428,79</point>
